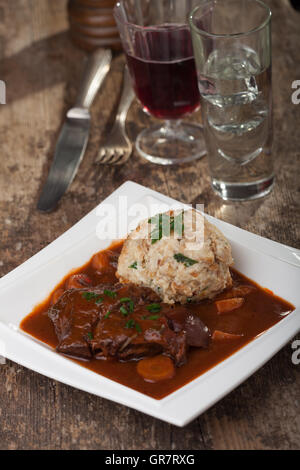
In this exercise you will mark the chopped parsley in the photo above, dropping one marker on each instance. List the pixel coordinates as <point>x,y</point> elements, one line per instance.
<point>88,295</point>
<point>107,314</point>
<point>90,335</point>
<point>154,308</point>
<point>133,265</point>
<point>92,296</point>
<point>123,311</point>
<point>185,260</point>
<point>130,323</point>
<point>160,222</point>
<point>150,317</point>
<point>164,224</point>
<point>110,293</point>
<point>129,301</point>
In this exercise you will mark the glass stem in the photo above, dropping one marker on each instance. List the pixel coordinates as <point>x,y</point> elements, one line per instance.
<point>172,125</point>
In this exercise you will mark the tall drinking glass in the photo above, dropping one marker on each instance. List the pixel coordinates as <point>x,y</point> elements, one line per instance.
<point>157,42</point>
<point>232,46</point>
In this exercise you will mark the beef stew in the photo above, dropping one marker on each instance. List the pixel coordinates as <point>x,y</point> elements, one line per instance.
<point>125,333</point>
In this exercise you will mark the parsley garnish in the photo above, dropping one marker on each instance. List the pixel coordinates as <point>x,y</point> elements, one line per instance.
<point>88,295</point>
<point>133,265</point>
<point>110,293</point>
<point>165,224</point>
<point>107,314</point>
<point>150,317</point>
<point>92,296</point>
<point>154,308</point>
<point>90,335</point>
<point>184,259</point>
<point>160,222</point>
<point>129,301</point>
<point>123,311</point>
<point>130,323</point>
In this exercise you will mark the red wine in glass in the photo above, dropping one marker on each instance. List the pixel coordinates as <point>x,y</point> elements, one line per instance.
<point>157,41</point>
<point>164,72</point>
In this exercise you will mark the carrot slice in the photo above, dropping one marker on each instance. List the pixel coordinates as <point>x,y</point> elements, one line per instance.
<point>154,369</point>
<point>227,305</point>
<point>222,336</point>
<point>56,295</point>
<point>78,281</point>
<point>100,261</point>
<point>268,291</point>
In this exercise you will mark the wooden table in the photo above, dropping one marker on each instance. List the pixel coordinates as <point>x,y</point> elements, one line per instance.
<point>41,69</point>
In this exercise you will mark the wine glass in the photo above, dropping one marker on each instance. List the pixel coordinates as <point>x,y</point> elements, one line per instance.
<point>158,47</point>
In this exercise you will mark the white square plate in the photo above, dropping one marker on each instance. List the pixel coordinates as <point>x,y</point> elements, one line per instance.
<point>271,264</point>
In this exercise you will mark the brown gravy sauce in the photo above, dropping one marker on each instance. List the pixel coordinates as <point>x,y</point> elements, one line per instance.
<point>260,311</point>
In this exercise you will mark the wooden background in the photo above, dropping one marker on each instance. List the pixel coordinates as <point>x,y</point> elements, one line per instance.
<point>41,69</point>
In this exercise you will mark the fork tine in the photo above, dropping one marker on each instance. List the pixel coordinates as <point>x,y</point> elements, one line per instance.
<point>117,145</point>
<point>111,156</point>
<point>118,161</point>
<point>118,154</point>
<point>123,157</point>
<point>123,160</point>
<point>107,154</point>
<point>100,157</point>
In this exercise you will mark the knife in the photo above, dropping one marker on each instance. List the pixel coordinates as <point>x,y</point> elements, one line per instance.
<point>74,135</point>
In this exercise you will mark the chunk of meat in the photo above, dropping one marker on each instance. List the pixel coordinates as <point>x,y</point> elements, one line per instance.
<point>73,317</point>
<point>78,281</point>
<point>227,305</point>
<point>115,321</point>
<point>137,337</point>
<point>105,261</point>
<point>197,332</point>
<point>56,295</point>
<point>176,317</point>
<point>181,319</point>
<point>175,345</point>
<point>135,351</point>
<point>238,291</point>
<point>100,261</point>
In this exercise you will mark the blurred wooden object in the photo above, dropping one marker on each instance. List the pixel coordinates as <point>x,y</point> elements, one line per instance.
<point>92,24</point>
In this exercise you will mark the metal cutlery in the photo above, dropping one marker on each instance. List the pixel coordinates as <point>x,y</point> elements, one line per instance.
<point>117,148</point>
<point>74,135</point>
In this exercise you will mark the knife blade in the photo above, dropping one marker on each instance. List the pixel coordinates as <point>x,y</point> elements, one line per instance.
<point>74,134</point>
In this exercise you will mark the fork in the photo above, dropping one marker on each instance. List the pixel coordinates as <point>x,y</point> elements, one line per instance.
<point>117,148</point>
